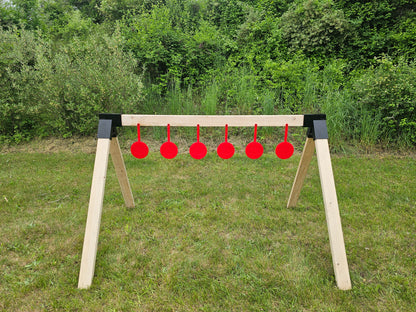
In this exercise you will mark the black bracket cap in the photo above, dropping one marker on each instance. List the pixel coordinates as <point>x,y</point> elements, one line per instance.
<point>105,129</point>
<point>116,118</point>
<point>107,125</point>
<point>320,130</point>
<point>309,118</point>
<point>316,124</point>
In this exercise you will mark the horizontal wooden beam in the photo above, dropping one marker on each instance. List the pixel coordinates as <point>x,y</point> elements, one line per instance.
<point>213,120</point>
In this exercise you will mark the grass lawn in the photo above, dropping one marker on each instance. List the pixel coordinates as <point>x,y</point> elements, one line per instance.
<point>206,235</point>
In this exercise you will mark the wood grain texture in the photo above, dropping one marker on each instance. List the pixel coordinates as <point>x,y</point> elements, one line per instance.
<point>333,219</point>
<point>213,120</point>
<point>89,250</point>
<point>121,172</point>
<point>304,163</point>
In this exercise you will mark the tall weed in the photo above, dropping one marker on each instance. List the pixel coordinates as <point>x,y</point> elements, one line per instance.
<point>210,99</point>
<point>268,103</point>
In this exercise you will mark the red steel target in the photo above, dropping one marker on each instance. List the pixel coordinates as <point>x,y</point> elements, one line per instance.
<point>139,149</point>
<point>284,150</point>
<point>225,150</point>
<point>254,149</point>
<point>198,150</point>
<point>169,149</point>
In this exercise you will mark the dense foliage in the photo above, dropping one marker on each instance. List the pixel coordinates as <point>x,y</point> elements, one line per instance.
<point>63,61</point>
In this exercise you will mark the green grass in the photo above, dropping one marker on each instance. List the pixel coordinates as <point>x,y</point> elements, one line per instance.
<point>208,235</point>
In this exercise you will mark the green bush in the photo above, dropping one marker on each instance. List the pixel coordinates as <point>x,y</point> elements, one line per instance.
<point>70,25</point>
<point>378,28</point>
<point>90,77</point>
<point>49,91</point>
<point>315,27</point>
<point>21,100</point>
<point>388,91</point>
<point>295,82</point>
<point>167,50</point>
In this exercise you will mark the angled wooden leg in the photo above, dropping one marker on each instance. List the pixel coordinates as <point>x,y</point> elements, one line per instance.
<point>333,219</point>
<point>121,172</point>
<point>307,154</point>
<point>89,250</point>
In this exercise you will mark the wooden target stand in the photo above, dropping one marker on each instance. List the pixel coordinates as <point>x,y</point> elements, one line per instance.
<point>317,139</point>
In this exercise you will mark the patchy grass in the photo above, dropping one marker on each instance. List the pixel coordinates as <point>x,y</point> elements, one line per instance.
<point>208,235</point>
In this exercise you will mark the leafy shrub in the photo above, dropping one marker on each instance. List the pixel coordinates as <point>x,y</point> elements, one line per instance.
<point>25,13</point>
<point>227,15</point>
<point>167,51</point>
<point>314,27</point>
<point>158,47</point>
<point>204,53</point>
<point>92,76</point>
<point>70,25</point>
<point>295,81</point>
<point>388,91</point>
<point>378,28</point>
<point>20,101</point>
<point>404,39</point>
<point>257,40</point>
<point>61,91</point>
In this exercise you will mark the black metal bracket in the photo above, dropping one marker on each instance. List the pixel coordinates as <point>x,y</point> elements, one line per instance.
<point>316,124</point>
<point>320,130</point>
<point>107,125</point>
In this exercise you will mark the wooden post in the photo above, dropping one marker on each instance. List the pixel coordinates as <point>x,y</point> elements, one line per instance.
<point>89,250</point>
<point>333,219</point>
<point>121,172</point>
<point>305,160</point>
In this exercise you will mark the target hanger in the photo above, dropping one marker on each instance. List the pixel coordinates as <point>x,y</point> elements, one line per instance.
<point>108,145</point>
<point>139,149</point>
<point>198,150</point>
<point>169,149</point>
<point>254,149</point>
<point>225,150</point>
<point>284,150</point>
